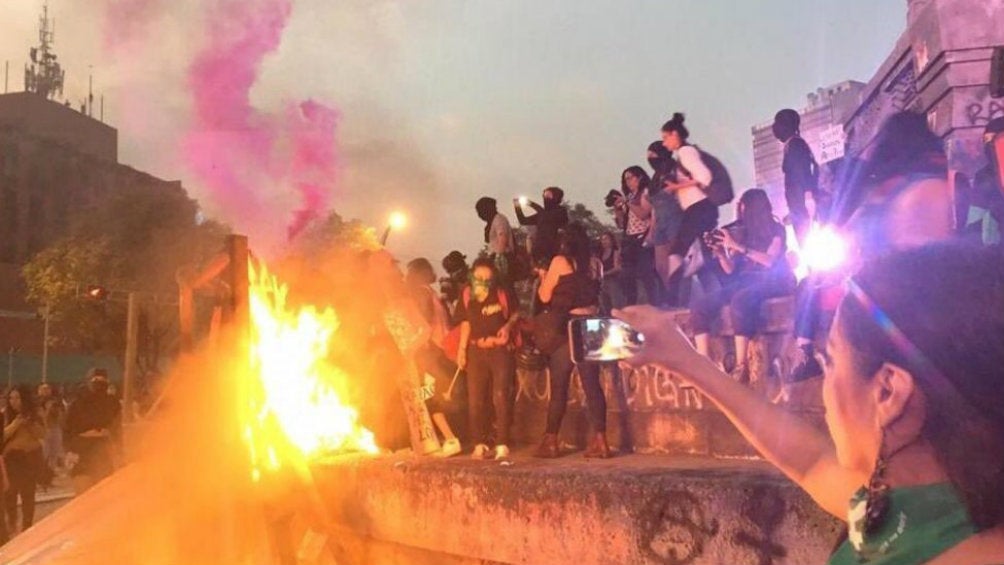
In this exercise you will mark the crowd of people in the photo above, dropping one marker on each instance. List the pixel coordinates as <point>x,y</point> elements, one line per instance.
<point>46,433</point>
<point>511,307</point>
<point>913,346</point>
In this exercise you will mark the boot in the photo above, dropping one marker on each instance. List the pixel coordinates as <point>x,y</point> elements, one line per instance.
<point>548,448</point>
<point>598,447</point>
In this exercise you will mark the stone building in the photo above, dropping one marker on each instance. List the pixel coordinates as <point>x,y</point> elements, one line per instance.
<point>826,107</point>
<point>939,66</point>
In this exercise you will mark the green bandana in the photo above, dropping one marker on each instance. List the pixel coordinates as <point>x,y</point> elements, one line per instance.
<point>921,523</point>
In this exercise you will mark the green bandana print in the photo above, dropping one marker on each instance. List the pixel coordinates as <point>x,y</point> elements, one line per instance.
<point>921,523</point>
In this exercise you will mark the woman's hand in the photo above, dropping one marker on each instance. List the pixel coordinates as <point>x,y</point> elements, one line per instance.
<point>729,242</point>
<point>665,343</point>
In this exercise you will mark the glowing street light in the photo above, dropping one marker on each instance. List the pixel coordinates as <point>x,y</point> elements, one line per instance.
<point>397,221</point>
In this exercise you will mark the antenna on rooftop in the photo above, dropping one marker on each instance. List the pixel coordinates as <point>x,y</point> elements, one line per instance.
<point>43,75</point>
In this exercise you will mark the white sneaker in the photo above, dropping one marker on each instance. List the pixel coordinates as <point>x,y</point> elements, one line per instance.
<point>501,452</point>
<point>451,447</point>
<point>481,451</point>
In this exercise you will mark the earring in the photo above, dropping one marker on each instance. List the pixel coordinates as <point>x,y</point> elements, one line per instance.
<point>877,497</point>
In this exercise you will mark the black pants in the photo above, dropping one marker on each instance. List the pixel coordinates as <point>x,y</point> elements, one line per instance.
<point>560,368</point>
<point>799,214</point>
<point>699,218</point>
<point>491,378</point>
<point>638,266</point>
<point>744,295</point>
<point>22,468</point>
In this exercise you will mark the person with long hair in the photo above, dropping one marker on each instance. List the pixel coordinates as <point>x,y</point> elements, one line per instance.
<point>667,215</point>
<point>23,433</point>
<point>752,253</point>
<point>692,179</point>
<point>633,214</point>
<point>568,291</point>
<point>610,255</point>
<point>897,197</point>
<point>914,367</point>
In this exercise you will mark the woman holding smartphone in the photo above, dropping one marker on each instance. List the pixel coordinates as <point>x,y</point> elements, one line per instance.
<point>568,291</point>
<point>752,253</point>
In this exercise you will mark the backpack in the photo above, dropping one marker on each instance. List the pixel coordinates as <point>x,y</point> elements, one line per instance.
<point>720,191</point>
<point>451,342</point>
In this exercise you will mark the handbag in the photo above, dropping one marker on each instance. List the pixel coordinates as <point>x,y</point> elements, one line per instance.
<point>550,330</point>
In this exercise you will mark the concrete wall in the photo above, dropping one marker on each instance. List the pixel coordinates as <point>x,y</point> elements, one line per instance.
<point>639,510</point>
<point>52,120</point>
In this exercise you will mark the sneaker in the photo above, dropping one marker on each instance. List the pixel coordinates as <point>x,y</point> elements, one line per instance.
<point>501,452</point>
<point>451,447</point>
<point>807,366</point>
<point>481,451</point>
<point>740,373</point>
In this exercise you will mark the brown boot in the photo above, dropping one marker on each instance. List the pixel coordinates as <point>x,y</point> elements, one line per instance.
<point>548,448</point>
<point>598,447</point>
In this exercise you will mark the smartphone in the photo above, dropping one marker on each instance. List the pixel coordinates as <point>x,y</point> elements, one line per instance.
<point>598,340</point>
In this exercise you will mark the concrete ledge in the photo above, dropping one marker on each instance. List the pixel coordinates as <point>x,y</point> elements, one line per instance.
<point>633,509</point>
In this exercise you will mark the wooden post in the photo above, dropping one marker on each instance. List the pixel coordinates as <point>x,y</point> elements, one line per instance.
<point>237,278</point>
<point>131,354</point>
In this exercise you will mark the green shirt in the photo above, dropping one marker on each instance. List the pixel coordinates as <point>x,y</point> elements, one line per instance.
<point>921,523</point>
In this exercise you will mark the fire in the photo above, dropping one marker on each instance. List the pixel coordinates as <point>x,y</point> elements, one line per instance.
<point>294,410</point>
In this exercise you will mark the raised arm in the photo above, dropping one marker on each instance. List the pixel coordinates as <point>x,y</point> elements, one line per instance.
<point>799,449</point>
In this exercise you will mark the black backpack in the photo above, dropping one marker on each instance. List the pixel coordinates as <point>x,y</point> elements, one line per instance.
<point>720,191</point>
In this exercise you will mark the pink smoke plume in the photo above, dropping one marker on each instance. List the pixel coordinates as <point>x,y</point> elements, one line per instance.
<point>251,160</point>
<point>126,20</point>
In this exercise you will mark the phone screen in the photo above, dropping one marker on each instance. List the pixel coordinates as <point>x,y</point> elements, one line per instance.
<point>597,340</point>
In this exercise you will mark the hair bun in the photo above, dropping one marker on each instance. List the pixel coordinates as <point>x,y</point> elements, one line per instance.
<point>678,117</point>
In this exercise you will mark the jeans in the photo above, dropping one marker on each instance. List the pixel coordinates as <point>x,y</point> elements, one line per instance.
<point>638,265</point>
<point>560,368</point>
<point>744,295</point>
<point>491,379</point>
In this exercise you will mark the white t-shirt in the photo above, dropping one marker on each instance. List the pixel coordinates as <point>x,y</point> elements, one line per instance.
<point>690,159</point>
<point>500,232</point>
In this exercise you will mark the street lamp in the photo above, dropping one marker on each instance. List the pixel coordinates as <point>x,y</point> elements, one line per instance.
<point>397,222</point>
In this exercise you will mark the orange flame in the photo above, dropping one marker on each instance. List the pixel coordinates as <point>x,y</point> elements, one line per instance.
<point>294,410</point>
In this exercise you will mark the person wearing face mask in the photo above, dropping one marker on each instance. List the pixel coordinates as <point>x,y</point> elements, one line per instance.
<point>547,219</point>
<point>667,216</point>
<point>487,316</point>
<point>801,173</point>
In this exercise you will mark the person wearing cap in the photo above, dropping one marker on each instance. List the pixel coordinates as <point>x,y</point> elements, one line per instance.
<point>986,210</point>
<point>801,173</point>
<point>93,430</point>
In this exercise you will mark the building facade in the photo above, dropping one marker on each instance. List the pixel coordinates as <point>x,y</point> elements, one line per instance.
<point>940,66</point>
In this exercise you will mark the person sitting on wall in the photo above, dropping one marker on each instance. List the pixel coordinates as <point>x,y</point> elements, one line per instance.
<point>752,252</point>
<point>914,363</point>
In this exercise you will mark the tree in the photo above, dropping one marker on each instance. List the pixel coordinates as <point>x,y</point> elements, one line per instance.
<point>595,227</point>
<point>136,239</point>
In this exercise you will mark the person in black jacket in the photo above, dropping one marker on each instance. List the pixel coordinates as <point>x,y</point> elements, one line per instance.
<point>93,432</point>
<point>548,219</point>
<point>800,170</point>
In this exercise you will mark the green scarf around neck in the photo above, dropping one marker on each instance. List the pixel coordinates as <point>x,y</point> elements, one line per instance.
<point>921,523</point>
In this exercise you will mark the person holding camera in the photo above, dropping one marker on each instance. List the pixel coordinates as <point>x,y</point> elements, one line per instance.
<point>752,252</point>
<point>547,219</point>
<point>633,214</point>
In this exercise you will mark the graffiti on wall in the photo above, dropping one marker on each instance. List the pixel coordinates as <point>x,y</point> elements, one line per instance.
<point>980,112</point>
<point>643,389</point>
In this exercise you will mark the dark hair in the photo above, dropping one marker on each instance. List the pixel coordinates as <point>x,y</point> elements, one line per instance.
<point>487,262</point>
<point>757,217</point>
<point>454,261</point>
<point>938,312</point>
<point>573,244</point>
<point>559,195</point>
<point>422,265</point>
<point>612,237</point>
<point>27,404</point>
<point>905,144</point>
<point>788,117</point>
<point>643,179</point>
<point>676,124</point>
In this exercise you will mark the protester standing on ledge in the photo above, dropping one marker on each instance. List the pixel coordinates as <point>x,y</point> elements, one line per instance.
<point>667,215</point>
<point>498,236</point>
<point>547,219</point>
<point>914,458</point>
<point>801,173</point>
<point>692,180</point>
<point>633,214</point>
